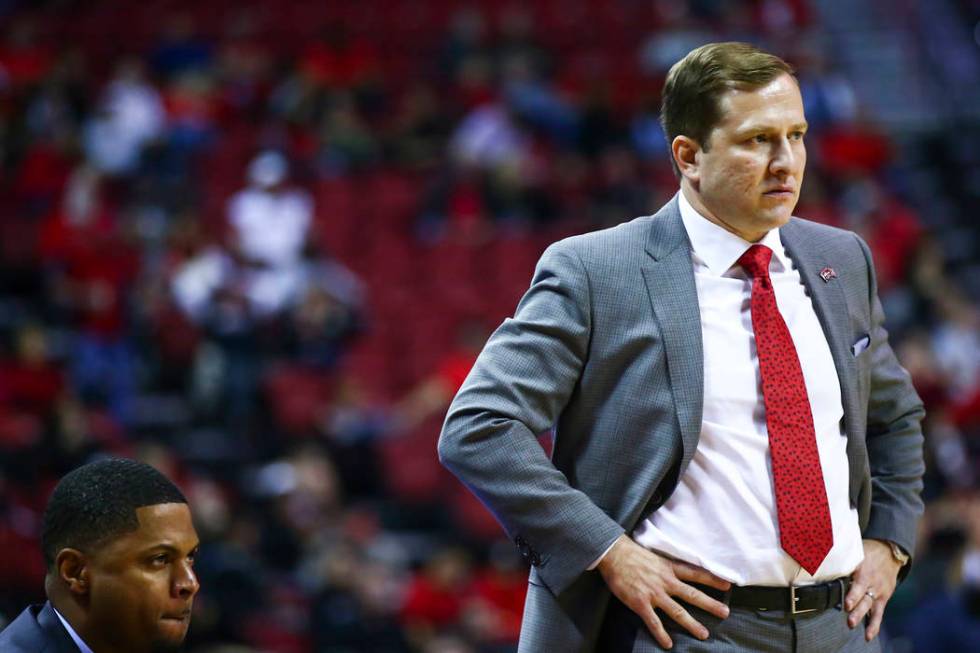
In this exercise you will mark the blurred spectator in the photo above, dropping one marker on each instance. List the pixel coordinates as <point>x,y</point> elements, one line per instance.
<point>420,128</point>
<point>489,138</point>
<point>338,60</point>
<point>22,60</point>
<point>192,105</point>
<point>956,342</point>
<point>435,596</point>
<point>353,425</point>
<point>679,32</point>
<point>347,144</point>
<point>828,96</point>
<point>647,135</point>
<point>270,225</point>
<point>433,394</point>
<point>949,620</point>
<point>30,382</point>
<point>130,115</point>
<point>538,102</point>
<point>466,36</point>
<point>180,50</point>
<point>892,230</point>
<point>356,609</point>
<point>496,604</point>
<point>90,265</point>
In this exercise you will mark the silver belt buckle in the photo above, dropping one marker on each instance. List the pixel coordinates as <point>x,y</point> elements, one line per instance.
<point>793,598</point>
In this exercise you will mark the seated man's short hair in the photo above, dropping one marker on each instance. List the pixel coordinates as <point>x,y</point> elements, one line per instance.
<point>97,503</point>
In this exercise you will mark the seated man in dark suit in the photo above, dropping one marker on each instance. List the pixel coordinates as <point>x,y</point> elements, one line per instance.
<point>119,544</point>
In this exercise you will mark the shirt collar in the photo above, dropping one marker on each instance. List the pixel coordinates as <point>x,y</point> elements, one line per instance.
<point>82,646</point>
<point>719,249</point>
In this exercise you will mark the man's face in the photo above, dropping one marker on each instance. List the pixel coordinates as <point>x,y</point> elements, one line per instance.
<point>748,180</point>
<point>142,584</point>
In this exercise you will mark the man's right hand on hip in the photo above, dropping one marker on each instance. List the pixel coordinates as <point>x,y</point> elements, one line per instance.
<point>645,581</point>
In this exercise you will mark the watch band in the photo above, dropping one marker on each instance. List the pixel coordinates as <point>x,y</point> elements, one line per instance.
<point>901,556</point>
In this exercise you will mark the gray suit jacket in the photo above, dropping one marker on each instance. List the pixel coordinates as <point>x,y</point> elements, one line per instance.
<point>606,347</point>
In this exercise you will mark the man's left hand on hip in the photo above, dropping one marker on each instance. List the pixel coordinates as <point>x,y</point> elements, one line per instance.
<point>872,585</point>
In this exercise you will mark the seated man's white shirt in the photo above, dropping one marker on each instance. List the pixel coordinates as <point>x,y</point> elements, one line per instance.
<point>82,646</point>
<point>722,515</point>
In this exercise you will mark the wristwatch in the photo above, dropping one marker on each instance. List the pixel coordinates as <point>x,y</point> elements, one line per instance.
<point>901,556</point>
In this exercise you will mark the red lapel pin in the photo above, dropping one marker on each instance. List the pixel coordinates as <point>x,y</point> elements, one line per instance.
<point>827,274</point>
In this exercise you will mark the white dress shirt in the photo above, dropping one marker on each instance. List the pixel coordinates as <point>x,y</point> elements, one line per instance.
<point>82,646</point>
<point>722,515</point>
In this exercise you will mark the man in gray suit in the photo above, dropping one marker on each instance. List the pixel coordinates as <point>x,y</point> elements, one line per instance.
<point>737,452</point>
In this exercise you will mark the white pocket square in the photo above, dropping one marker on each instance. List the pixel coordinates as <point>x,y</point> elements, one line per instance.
<point>858,347</point>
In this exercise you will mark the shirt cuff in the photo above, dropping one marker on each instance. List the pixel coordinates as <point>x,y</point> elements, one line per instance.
<point>599,559</point>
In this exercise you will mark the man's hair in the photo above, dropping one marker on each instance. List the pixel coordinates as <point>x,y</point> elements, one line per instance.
<point>97,503</point>
<point>694,85</point>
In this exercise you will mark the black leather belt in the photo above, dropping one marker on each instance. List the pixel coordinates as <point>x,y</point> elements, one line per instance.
<point>794,600</point>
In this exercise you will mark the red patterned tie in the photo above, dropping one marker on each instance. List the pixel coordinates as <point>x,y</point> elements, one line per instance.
<point>805,532</point>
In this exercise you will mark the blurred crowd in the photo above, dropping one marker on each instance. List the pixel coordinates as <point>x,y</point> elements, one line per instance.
<point>260,245</point>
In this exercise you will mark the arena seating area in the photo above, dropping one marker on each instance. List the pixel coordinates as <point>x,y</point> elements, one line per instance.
<point>290,366</point>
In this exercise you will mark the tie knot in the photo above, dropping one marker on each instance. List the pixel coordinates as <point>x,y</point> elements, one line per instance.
<point>755,261</point>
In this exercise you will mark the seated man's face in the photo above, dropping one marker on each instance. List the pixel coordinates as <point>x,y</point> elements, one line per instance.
<point>142,584</point>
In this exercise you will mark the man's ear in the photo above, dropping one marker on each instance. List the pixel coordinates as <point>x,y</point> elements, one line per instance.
<point>685,151</point>
<point>72,569</point>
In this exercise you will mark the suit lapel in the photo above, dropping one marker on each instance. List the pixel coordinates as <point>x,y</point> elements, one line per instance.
<point>669,276</point>
<point>811,256</point>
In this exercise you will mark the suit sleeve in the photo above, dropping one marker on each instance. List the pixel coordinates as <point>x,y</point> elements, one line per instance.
<point>894,436</point>
<point>518,387</point>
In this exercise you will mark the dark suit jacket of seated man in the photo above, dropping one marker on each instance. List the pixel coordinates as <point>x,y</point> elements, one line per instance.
<point>658,522</point>
<point>119,544</point>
